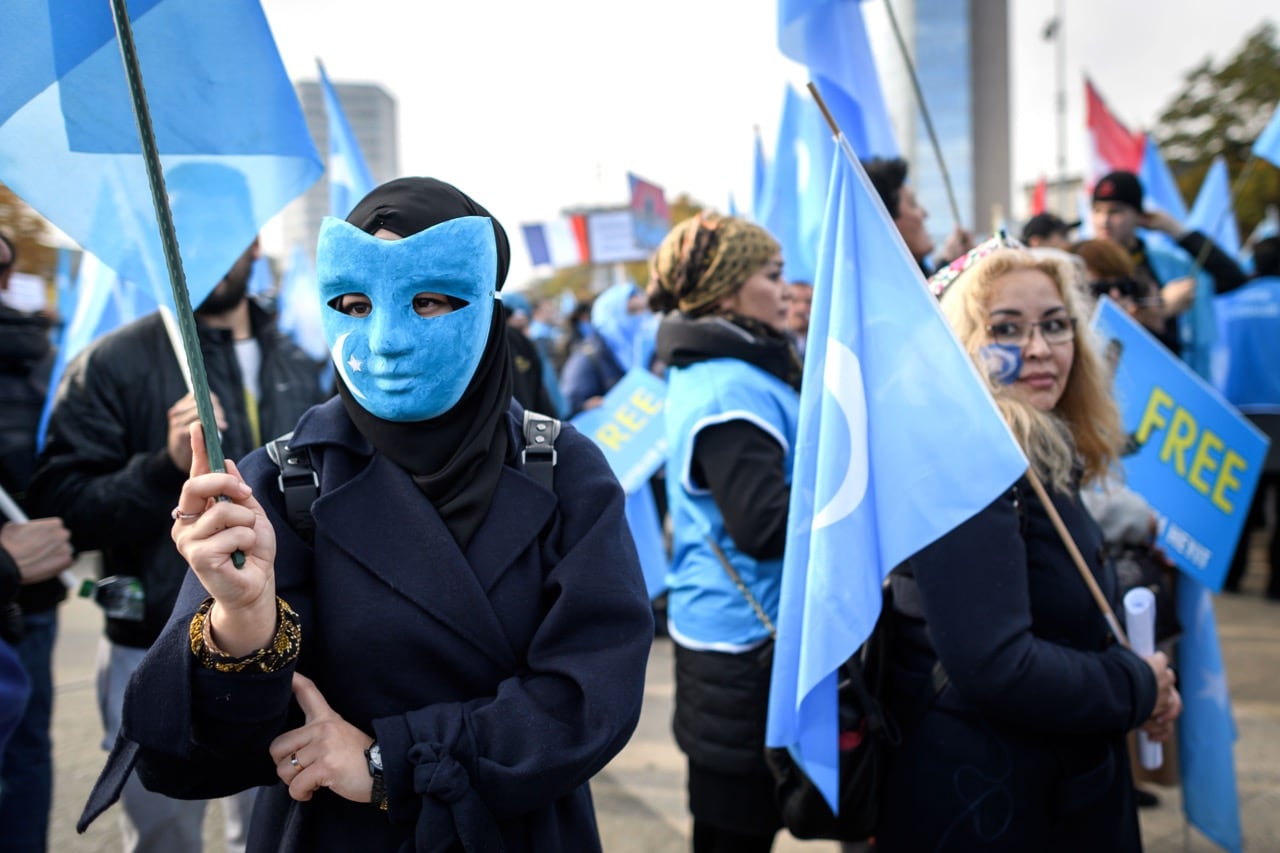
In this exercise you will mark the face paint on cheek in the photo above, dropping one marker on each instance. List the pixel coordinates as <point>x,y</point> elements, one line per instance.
<point>1003,362</point>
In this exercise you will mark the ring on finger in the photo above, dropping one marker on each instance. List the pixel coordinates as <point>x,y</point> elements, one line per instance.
<point>293,762</point>
<point>178,515</point>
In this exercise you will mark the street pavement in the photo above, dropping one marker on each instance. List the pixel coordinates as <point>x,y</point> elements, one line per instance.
<point>640,795</point>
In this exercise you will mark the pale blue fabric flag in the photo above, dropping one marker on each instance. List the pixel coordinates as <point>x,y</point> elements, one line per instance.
<point>759,177</point>
<point>1213,213</point>
<point>298,311</point>
<point>298,307</point>
<point>899,441</point>
<point>104,302</point>
<point>349,176</point>
<point>1161,189</point>
<point>233,143</point>
<point>796,186</point>
<point>830,38</point>
<point>1206,732</point>
<point>1267,145</point>
<point>646,530</point>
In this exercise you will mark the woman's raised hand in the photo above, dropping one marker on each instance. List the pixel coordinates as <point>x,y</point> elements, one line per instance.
<point>208,531</point>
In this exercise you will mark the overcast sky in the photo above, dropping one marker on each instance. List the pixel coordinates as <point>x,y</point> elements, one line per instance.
<point>535,106</point>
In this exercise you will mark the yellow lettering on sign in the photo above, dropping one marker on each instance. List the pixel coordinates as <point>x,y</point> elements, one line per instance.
<point>1153,418</point>
<point>1226,480</point>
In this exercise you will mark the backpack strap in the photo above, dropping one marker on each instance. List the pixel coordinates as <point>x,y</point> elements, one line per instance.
<point>299,484</point>
<point>539,454</point>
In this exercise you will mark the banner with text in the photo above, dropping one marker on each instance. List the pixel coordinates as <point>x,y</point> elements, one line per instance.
<point>629,427</point>
<point>1191,454</point>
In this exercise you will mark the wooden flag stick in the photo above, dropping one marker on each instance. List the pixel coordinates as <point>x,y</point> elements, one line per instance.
<point>1078,559</point>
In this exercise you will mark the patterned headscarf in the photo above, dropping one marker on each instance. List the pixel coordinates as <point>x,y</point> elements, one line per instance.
<point>943,278</point>
<point>706,258</point>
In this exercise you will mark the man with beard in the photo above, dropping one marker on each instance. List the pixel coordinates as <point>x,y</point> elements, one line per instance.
<point>116,455</point>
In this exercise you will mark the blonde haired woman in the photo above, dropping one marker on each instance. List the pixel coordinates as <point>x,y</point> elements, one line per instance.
<point>1013,696</point>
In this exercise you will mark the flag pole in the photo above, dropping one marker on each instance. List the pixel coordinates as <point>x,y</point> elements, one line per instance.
<point>924,112</point>
<point>1065,535</point>
<point>169,242</point>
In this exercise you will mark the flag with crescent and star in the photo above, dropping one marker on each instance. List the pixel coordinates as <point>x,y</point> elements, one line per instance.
<point>899,441</point>
<point>1206,732</point>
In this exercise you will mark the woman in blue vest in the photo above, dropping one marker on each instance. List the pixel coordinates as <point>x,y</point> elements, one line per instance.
<point>732,400</point>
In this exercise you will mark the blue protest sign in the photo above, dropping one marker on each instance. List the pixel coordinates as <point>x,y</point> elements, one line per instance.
<point>629,427</point>
<point>1195,458</point>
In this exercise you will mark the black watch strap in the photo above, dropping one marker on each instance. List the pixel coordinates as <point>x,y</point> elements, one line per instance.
<point>373,758</point>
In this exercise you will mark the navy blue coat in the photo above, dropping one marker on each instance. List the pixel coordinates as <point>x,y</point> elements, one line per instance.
<point>497,682</point>
<point>1024,746</point>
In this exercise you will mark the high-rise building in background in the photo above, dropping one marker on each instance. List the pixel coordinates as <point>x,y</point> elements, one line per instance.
<point>371,111</point>
<point>960,50</point>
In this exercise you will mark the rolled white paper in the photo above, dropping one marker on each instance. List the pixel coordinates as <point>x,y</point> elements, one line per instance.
<point>1140,621</point>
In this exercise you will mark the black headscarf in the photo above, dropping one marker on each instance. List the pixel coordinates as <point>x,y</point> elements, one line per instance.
<point>455,458</point>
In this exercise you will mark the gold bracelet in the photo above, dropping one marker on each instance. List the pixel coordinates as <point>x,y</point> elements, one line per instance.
<point>276,655</point>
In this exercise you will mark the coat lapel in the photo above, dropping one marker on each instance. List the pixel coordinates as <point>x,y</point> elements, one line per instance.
<point>383,522</point>
<point>519,511</point>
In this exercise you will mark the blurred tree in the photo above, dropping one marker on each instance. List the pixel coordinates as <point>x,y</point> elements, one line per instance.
<point>29,232</point>
<point>1222,110</point>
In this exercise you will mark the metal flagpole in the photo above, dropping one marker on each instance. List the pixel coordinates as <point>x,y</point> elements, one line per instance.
<point>924,112</point>
<point>169,241</point>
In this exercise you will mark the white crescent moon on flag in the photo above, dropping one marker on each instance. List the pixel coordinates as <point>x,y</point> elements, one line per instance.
<point>842,377</point>
<point>341,366</point>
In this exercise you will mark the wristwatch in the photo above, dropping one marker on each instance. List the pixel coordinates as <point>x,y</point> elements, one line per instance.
<point>373,756</point>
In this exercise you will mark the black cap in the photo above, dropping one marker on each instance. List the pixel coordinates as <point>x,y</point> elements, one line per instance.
<point>1044,224</point>
<point>1123,187</point>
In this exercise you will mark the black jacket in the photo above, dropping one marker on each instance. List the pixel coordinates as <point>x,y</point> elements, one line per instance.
<point>25,361</point>
<point>1024,746</point>
<point>105,470</point>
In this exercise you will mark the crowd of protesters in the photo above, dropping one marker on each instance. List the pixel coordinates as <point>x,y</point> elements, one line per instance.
<point>441,642</point>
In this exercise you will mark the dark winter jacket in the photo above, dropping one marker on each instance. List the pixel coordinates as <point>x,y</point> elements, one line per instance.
<point>105,468</point>
<point>496,682</point>
<point>25,362</point>
<point>591,370</point>
<point>1024,746</point>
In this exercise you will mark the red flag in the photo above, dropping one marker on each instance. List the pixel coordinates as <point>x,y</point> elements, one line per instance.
<point>1040,196</point>
<point>1113,146</point>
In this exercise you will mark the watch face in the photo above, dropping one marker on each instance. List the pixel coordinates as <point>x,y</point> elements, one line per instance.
<point>375,756</point>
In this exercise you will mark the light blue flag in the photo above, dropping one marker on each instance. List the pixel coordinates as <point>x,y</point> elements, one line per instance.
<point>349,176</point>
<point>796,187</point>
<point>66,291</point>
<point>1161,189</point>
<point>1267,145</point>
<point>646,530</point>
<point>260,279</point>
<point>733,206</point>
<point>1213,212</point>
<point>1206,732</point>
<point>829,37</point>
<point>233,143</point>
<point>759,176</point>
<point>298,307</point>
<point>875,480</point>
<point>104,302</point>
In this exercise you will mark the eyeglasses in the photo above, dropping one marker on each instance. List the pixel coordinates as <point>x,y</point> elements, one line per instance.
<point>1123,286</point>
<point>1016,333</point>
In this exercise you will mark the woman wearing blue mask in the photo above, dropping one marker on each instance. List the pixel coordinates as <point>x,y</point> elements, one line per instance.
<point>459,648</point>
<point>621,337</point>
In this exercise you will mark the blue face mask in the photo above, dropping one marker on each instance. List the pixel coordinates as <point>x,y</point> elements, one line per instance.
<point>399,365</point>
